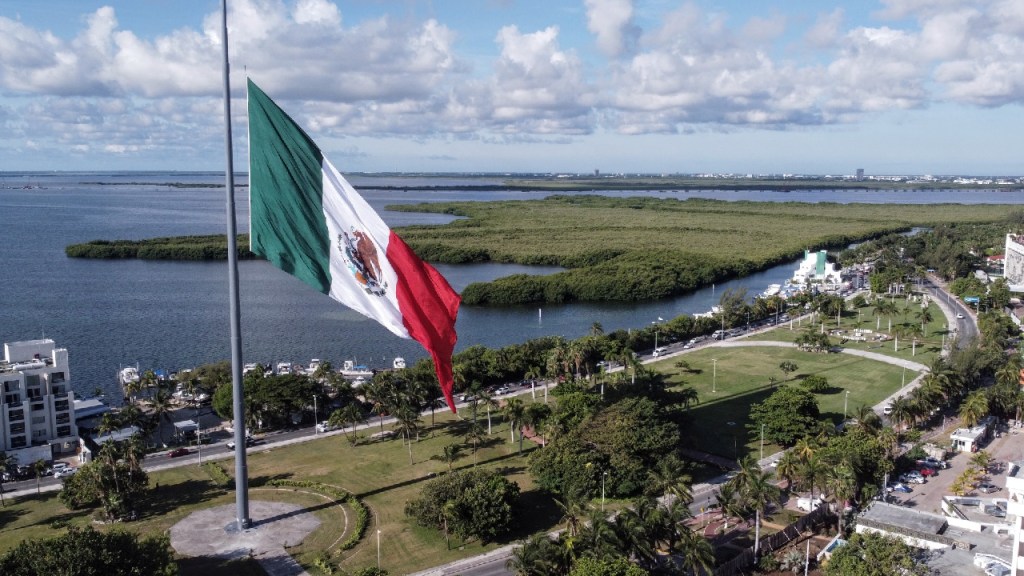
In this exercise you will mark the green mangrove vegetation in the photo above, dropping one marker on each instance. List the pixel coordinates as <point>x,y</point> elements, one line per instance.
<point>212,247</point>
<point>614,249</point>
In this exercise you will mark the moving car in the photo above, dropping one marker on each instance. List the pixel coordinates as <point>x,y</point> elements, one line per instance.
<point>177,452</point>
<point>960,315</point>
<point>325,427</point>
<point>249,441</point>
<point>64,472</point>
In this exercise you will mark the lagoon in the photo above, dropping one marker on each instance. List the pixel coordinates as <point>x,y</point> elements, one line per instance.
<point>173,315</point>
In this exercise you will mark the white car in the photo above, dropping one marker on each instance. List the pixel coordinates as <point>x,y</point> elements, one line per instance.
<point>959,315</point>
<point>64,472</point>
<point>325,427</point>
<point>914,477</point>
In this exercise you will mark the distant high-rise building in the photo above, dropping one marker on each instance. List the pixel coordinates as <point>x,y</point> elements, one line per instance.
<point>860,174</point>
<point>597,172</point>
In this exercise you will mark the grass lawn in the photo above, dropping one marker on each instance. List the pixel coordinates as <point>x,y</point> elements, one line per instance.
<point>377,470</point>
<point>929,346</point>
<point>719,422</point>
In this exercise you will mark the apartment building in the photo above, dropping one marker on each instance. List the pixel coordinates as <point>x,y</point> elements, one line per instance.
<point>37,415</point>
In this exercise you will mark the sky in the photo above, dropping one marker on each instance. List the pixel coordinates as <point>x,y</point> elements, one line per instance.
<point>564,86</point>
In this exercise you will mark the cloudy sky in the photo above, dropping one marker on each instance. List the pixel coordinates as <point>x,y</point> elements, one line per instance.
<point>773,86</point>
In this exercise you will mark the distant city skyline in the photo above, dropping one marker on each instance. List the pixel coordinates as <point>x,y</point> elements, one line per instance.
<point>896,87</point>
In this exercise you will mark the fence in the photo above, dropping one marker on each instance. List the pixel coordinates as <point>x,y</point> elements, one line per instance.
<point>771,543</point>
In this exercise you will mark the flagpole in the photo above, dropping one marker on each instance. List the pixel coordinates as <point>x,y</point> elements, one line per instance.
<point>242,521</point>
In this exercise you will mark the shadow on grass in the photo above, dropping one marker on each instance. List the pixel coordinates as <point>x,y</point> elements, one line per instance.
<point>8,515</point>
<point>432,475</point>
<point>205,565</point>
<point>719,426</point>
<point>166,498</point>
<point>264,481</point>
<point>537,511</point>
<point>63,519</point>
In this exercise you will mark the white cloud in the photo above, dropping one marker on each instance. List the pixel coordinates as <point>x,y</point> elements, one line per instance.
<point>105,87</point>
<point>611,21</point>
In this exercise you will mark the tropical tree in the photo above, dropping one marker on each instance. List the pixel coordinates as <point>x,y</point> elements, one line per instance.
<point>39,467</point>
<point>7,461</point>
<point>514,413</point>
<point>88,551</point>
<point>787,368</point>
<point>670,476</point>
<point>160,403</point>
<point>449,454</point>
<point>489,403</point>
<point>539,556</point>
<point>974,408</point>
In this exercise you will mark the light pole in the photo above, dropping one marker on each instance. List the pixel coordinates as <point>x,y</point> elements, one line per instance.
<point>316,424</point>
<point>714,374</point>
<point>603,476</point>
<point>762,442</point>
<point>846,401</point>
<point>378,549</point>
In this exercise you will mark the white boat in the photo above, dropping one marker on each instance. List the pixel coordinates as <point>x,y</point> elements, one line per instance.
<point>398,363</point>
<point>773,289</point>
<point>128,374</point>
<point>283,368</point>
<point>351,371</point>
<point>314,365</point>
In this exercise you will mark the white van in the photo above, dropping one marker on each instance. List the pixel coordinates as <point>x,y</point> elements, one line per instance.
<point>660,352</point>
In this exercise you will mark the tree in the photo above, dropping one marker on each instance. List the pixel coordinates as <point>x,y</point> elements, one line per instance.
<point>787,415</point>
<point>514,412</point>
<point>114,480</point>
<point>539,556</point>
<point>39,468</point>
<point>449,454</point>
<point>974,408</point>
<point>608,567</point>
<point>6,461</point>
<point>787,368</point>
<point>815,383</point>
<point>473,503</point>
<point>86,551</point>
<point>872,554</point>
<point>160,404</point>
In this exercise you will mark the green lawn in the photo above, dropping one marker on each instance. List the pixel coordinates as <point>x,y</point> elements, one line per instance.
<point>936,332</point>
<point>377,470</point>
<point>718,422</point>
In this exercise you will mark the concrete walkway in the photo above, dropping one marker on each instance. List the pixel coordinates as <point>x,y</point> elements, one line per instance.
<point>275,526</point>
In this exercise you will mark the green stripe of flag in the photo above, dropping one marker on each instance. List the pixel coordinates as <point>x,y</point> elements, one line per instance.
<point>286,220</point>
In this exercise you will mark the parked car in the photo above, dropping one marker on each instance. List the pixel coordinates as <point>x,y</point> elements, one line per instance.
<point>934,463</point>
<point>325,427</point>
<point>913,477</point>
<point>177,452</point>
<point>887,410</point>
<point>926,471</point>
<point>900,487</point>
<point>64,472</point>
<point>807,504</point>
<point>987,488</point>
<point>993,510</point>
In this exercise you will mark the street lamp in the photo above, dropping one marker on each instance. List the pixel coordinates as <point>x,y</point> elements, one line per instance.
<point>762,442</point>
<point>378,549</point>
<point>603,476</point>
<point>714,374</point>
<point>316,424</point>
<point>846,401</point>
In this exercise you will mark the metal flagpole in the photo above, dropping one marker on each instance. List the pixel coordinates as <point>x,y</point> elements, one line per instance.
<point>241,469</point>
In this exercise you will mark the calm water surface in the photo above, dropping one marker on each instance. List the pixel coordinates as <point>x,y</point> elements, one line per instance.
<point>173,315</point>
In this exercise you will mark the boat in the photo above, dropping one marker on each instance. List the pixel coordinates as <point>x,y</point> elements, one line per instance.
<point>128,375</point>
<point>314,365</point>
<point>398,363</point>
<point>351,371</point>
<point>772,290</point>
<point>283,368</point>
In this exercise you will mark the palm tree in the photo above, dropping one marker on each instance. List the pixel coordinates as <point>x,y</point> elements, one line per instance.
<point>759,493</point>
<point>730,502</point>
<point>696,552</point>
<point>637,528</point>
<point>841,486</point>
<point>535,417</point>
<point>597,537</point>
<point>488,402</point>
<point>449,454</point>
<point>974,408</point>
<point>925,316</point>
<point>670,477</point>
<point>6,461</point>
<point>407,419</point>
<point>902,413</point>
<point>160,404</point>
<point>789,467</point>
<point>538,556</point>
<point>573,508</point>
<point>514,412</point>
<point>867,418</point>
<point>474,434</point>
<point>39,467</point>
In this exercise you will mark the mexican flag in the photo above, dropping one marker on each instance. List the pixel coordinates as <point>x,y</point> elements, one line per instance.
<point>307,220</point>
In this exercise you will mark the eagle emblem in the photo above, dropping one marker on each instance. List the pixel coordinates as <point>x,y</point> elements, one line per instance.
<point>360,257</point>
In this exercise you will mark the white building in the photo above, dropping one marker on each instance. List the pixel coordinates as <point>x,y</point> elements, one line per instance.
<point>1015,510</point>
<point>815,268</point>
<point>37,416</point>
<point>1013,262</point>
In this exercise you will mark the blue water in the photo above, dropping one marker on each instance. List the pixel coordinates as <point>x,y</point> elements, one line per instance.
<point>172,315</point>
